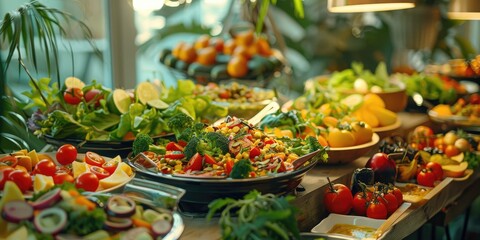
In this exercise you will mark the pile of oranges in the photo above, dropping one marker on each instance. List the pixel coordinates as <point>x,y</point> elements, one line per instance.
<point>240,49</point>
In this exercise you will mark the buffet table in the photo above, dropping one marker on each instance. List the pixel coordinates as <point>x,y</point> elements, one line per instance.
<point>309,200</point>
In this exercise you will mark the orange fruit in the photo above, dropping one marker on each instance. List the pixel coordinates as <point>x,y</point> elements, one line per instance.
<point>237,66</point>
<point>177,48</point>
<point>202,42</point>
<point>207,56</point>
<point>188,53</point>
<point>229,47</point>
<point>263,47</point>
<point>242,51</point>
<point>217,43</point>
<point>245,38</point>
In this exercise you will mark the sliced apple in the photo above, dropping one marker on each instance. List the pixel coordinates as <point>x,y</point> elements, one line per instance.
<point>455,171</point>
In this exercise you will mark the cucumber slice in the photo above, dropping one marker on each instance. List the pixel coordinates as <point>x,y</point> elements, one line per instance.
<point>73,82</point>
<point>147,91</point>
<point>353,101</point>
<point>119,101</point>
<point>158,104</point>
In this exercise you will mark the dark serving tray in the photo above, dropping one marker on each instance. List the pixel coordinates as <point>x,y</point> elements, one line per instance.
<point>201,191</point>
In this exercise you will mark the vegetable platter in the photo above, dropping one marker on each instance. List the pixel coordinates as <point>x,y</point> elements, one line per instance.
<point>227,160</point>
<point>212,59</point>
<point>65,212</point>
<point>465,112</point>
<point>37,172</point>
<point>96,118</point>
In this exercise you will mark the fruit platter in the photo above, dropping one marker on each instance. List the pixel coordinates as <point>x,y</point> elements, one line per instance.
<point>212,59</point>
<point>226,160</point>
<point>95,118</point>
<point>36,172</point>
<point>464,112</point>
<point>65,212</point>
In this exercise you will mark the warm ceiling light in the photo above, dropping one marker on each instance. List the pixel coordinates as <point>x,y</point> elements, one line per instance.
<point>464,9</point>
<point>350,6</point>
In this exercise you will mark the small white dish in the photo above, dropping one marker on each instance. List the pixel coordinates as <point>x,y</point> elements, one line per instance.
<point>326,224</point>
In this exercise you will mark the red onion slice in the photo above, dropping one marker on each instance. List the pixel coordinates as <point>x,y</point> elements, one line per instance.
<point>118,224</point>
<point>48,199</point>
<point>120,206</point>
<point>43,221</point>
<point>16,211</point>
<point>161,227</point>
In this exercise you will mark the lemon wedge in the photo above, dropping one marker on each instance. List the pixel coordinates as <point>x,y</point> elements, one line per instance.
<point>79,168</point>
<point>42,182</point>
<point>118,177</point>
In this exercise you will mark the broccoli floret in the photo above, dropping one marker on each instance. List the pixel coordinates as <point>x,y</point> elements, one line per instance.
<point>142,143</point>
<point>241,169</point>
<point>179,122</point>
<point>286,120</point>
<point>190,132</point>
<point>211,143</point>
<point>310,144</point>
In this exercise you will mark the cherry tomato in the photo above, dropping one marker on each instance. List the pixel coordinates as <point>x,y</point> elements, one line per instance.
<point>195,163</point>
<point>61,177</point>
<point>45,167</point>
<point>282,167</point>
<point>87,181</point>
<point>436,168</point>
<point>338,198</point>
<point>426,178</point>
<point>228,166</point>
<point>4,172</point>
<point>424,136</point>
<point>209,159</point>
<point>254,152</point>
<point>377,210</point>
<point>66,154</point>
<point>63,169</point>
<point>174,155</point>
<point>398,194</point>
<point>22,179</point>
<point>93,96</point>
<point>94,159</point>
<point>73,96</point>
<point>10,161</point>
<point>360,203</point>
<point>110,166</point>
<point>99,171</point>
<point>172,146</point>
<point>224,94</point>
<point>391,202</point>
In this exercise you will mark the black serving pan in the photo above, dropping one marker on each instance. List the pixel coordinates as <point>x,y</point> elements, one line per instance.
<point>105,148</point>
<point>201,191</point>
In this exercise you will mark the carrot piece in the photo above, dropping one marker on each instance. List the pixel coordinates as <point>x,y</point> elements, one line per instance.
<point>82,200</point>
<point>137,222</point>
<point>73,193</point>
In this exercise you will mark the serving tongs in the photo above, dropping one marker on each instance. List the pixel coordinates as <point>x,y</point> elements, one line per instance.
<point>271,107</point>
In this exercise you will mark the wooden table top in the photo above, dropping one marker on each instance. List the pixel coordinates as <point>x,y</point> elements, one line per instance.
<point>310,201</point>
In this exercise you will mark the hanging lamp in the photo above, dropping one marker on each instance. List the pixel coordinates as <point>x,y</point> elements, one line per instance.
<point>464,9</point>
<point>351,6</point>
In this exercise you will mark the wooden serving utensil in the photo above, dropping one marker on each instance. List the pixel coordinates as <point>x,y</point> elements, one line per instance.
<point>391,220</point>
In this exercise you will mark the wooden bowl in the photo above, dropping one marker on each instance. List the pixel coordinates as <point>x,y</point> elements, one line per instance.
<point>349,154</point>
<point>395,101</point>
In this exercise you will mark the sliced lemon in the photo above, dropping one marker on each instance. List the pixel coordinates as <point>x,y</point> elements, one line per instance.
<point>42,182</point>
<point>118,177</point>
<point>147,91</point>
<point>73,82</point>
<point>79,168</point>
<point>126,168</point>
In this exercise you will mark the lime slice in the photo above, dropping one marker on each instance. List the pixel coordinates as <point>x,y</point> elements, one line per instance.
<point>158,104</point>
<point>119,101</point>
<point>147,91</point>
<point>353,101</point>
<point>73,82</point>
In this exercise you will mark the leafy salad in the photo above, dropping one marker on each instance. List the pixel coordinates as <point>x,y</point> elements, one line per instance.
<point>94,112</point>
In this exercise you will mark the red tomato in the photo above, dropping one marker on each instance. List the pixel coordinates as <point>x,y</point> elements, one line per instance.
<point>61,177</point>
<point>45,167</point>
<point>172,146</point>
<point>209,159</point>
<point>93,96</point>
<point>451,150</point>
<point>377,210</point>
<point>4,172</point>
<point>174,155</point>
<point>224,95</point>
<point>99,171</point>
<point>254,152</point>
<point>63,169</point>
<point>66,154</point>
<point>22,179</point>
<point>398,194</point>
<point>283,168</point>
<point>87,181</point>
<point>423,131</point>
<point>73,96</point>
<point>426,178</point>
<point>391,202</point>
<point>94,159</point>
<point>182,143</point>
<point>360,203</point>
<point>338,199</point>
<point>436,168</point>
<point>424,136</point>
<point>195,163</point>
<point>10,161</point>
<point>110,166</point>
<point>228,166</point>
